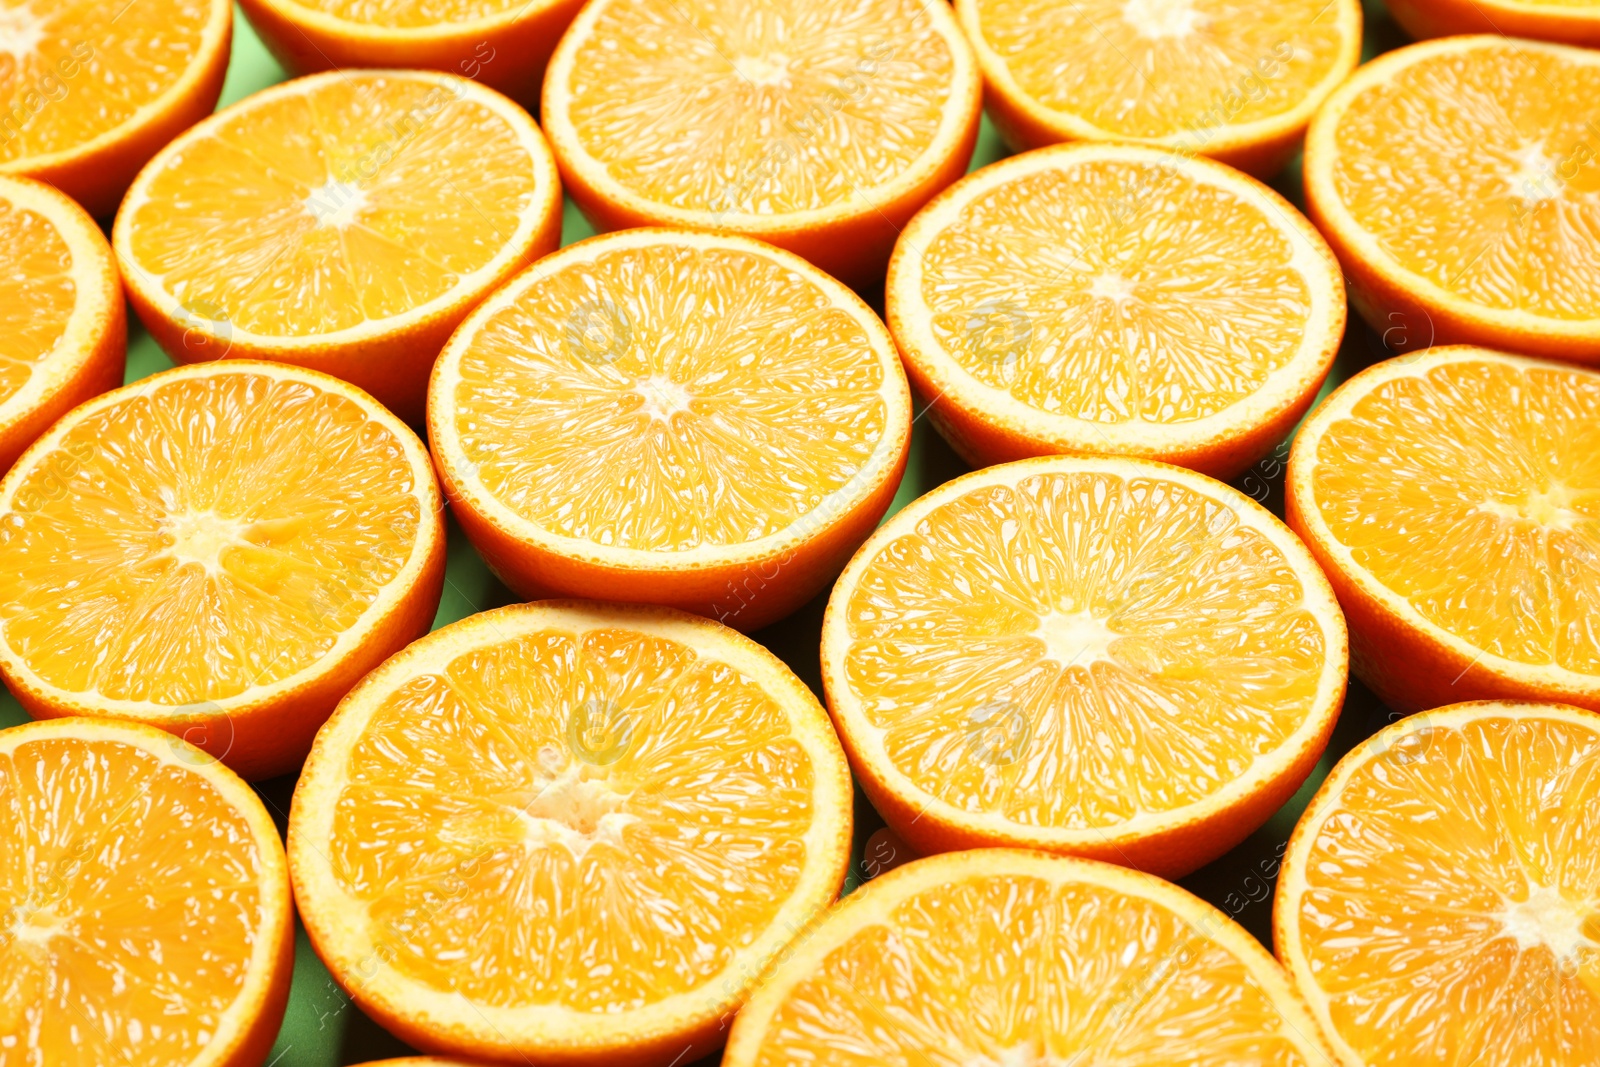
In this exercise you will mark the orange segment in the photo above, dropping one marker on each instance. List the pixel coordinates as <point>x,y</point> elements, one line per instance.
<point>319,223</point>
<point>1440,899</point>
<point>624,812</point>
<point>822,128</point>
<point>1454,499</point>
<point>89,90</point>
<point>1001,957</point>
<point>1229,79</point>
<point>122,938</point>
<point>660,416</point>
<point>1099,656</point>
<point>1456,180</point>
<point>219,550</point>
<point>63,330</point>
<point>1097,298</point>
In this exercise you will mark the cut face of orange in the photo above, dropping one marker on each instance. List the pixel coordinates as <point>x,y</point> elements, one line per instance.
<point>320,223</point>
<point>666,417</point>
<point>63,330</point>
<point>221,551</point>
<point>1457,181</point>
<point>1115,299</point>
<point>1454,500</point>
<point>1569,21</point>
<point>1235,81</point>
<point>144,903</point>
<point>1104,657</point>
<point>819,125</point>
<point>568,833</point>
<point>90,90</point>
<point>1440,900</point>
<point>1001,957</point>
<point>503,44</point>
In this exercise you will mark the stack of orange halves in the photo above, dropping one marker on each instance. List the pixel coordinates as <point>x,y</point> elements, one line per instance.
<point>604,827</point>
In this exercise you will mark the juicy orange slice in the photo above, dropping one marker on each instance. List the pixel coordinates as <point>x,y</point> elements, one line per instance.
<point>1105,657</point>
<point>1454,500</point>
<point>1001,957</point>
<point>568,833</point>
<point>221,551</point>
<point>667,417</point>
<point>144,903</point>
<point>1234,80</point>
<point>503,44</point>
<point>1115,299</point>
<point>1571,21</point>
<point>322,223</point>
<point>822,128</point>
<point>1457,180</point>
<point>1440,900</point>
<point>63,329</point>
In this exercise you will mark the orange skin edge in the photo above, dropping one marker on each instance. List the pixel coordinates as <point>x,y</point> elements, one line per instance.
<point>99,181</point>
<point>510,58</point>
<point>1423,19</point>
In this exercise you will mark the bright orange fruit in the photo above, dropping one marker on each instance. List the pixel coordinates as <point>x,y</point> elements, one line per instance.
<point>999,957</point>
<point>144,899</point>
<point>1440,900</point>
<point>568,833</point>
<point>1098,656</point>
<point>221,551</point>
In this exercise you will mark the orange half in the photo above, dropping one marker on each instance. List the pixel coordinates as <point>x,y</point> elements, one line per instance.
<point>1000,957</point>
<point>821,126</point>
<point>1097,656</point>
<point>1440,900</point>
<point>1459,183</point>
<point>570,834</point>
<point>1568,21</point>
<point>1115,299</point>
<point>1233,79</point>
<point>344,222</point>
<point>144,903</point>
<point>221,551</point>
<point>90,90</point>
<point>63,328</point>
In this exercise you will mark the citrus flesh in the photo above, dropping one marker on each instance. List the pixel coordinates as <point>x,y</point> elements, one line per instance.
<point>1106,657</point>
<point>1000,957</point>
<point>1456,180</point>
<point>696,420</point>
<point>1454,500</point>
<point>219,550</point>
<point>314,223</point>
<point>1235,80</point>
<point>568,832</point>
<point>144,899</point>
<point>63,330</point>
<point>825,123</point>
<point>1095,298</point>
<point>1440,899</point>
<point>413,14</point>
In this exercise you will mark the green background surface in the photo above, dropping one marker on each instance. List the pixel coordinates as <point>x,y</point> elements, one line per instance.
<point>323,1028</point>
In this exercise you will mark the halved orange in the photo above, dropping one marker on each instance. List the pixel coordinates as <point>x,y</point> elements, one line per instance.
<point>1237,81</point>
<point>822,127</point>
<point>345,222</point>
<point>90,90</point>
<point>1001,957</point>
<point>659,416</point>
<point>1115,299</point>
<point>1098,656</point>
<point>144,903</point>
<point>1459,183</point>
<point>566,833</point>
<point>1440,900</point>
<point>63,328</point>
<point>221,551</point>
<point>503,44</point>
<point>1453,498</point>
<point>1568,21</point>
